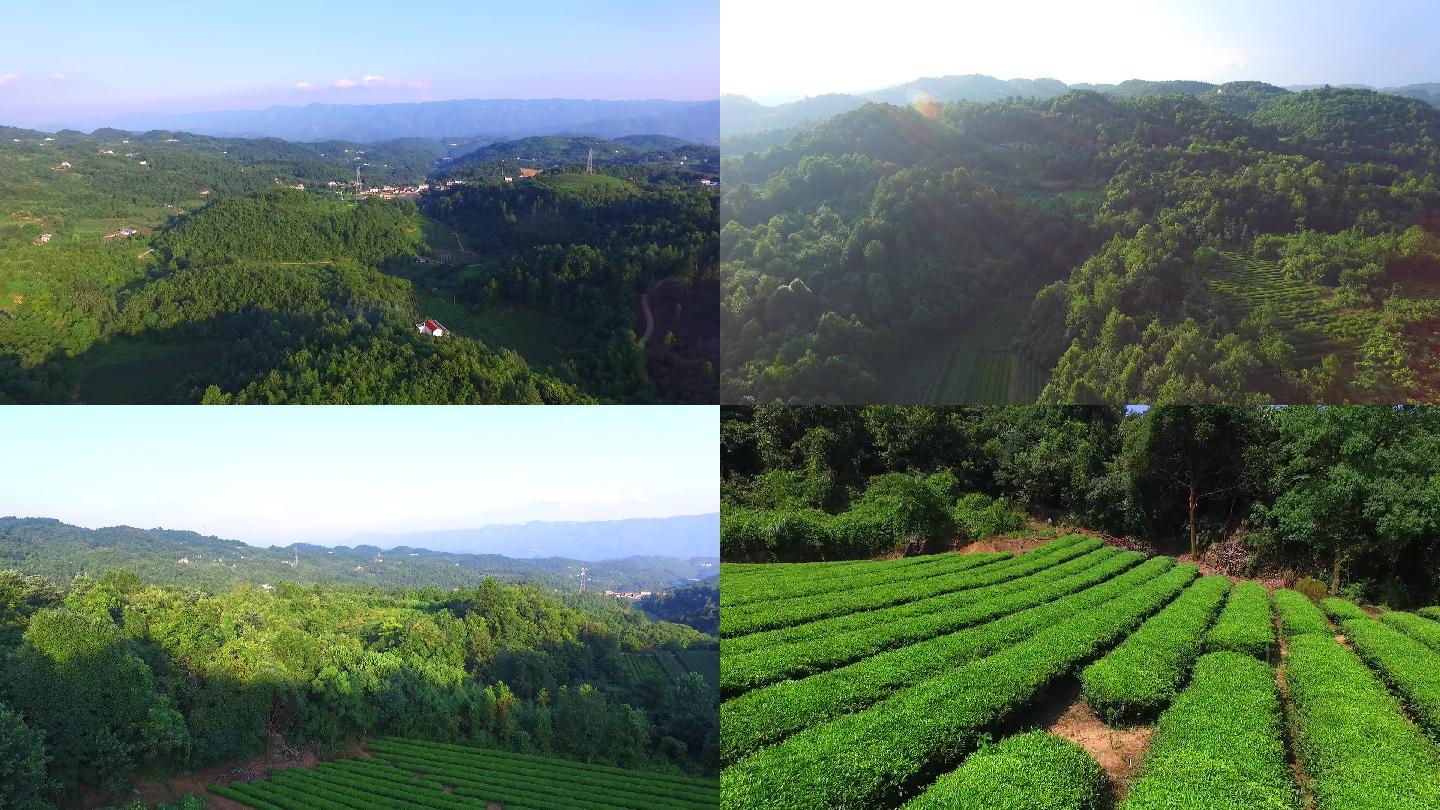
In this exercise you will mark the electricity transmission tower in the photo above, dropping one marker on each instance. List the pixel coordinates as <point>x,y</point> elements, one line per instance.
<point>590,162</point>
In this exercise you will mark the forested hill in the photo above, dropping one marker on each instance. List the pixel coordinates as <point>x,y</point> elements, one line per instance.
<point>59,551</point>
<point>741,116</point>
<point>1246,243</point>
<point>555,151</point>
<point>105,680</point>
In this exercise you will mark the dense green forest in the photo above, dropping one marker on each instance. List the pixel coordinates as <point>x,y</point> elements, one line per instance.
<point>168,267</point>
<point>586,247</point>
<point>1161,243</point>
<point>1345,494</point>
<point>108,680</point>
<point>60,552</point>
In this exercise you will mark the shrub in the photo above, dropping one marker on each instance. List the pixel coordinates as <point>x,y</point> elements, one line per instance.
<point>980,516</point>
<point>1037,771</point>
<point>1312,588</point>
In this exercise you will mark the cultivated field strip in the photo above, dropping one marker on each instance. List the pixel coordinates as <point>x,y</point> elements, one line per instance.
<point>1219,745</point>
<point>1411,668</point>
<point>758,616</point>
<point>846,622</point>
<point>879,756</point>
<point>1430,612</point>
<point>1246,625</point>
<point>410,774</point>
<point>1354,742</point>
<point>1031,770</point>
<point>1142,676</point>
<point>1423,630</point>
<point>1299,616</point>
<point>800,586</point>
<point>757,588</point>
<point>770,714</point>
<point>1342,609</point>
<point>751,670</point>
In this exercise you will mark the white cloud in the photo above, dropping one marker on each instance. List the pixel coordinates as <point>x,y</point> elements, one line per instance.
<point>59,76</point>
<point>8,78</point>
<point>302,85</point>
<point>344,83</point>
<point>371,80</point>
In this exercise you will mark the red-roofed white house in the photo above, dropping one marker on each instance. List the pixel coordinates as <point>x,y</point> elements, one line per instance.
<point>432,328</point>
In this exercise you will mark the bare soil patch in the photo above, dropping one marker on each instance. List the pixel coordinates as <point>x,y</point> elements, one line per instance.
<point>1118,750</point>
<point>172,789</point>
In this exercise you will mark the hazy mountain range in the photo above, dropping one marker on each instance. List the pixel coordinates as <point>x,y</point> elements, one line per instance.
<point>666,552</point>
<point>740,115</point>
<point>684,537</point>
<point>497,119</point>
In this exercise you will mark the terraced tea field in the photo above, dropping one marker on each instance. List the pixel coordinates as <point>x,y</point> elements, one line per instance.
<point>880,684</point>
<point>1317,327</point>
<point>673,664</point>
<point>414,774</point>
<point>980,365</point>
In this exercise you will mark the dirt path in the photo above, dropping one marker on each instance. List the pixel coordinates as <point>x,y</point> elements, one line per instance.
<point>649,318</point>
<point>1119,751</point>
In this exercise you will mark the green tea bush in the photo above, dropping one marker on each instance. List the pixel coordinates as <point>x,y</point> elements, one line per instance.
<point>1341,609</point>
<point>748,670</point>
<point>1035,771</point>
<point>869,758</point>
<point>1219,745</point>
<point>1299,615</point>
<point>1353,740</point>
<point>1141,676</point>
<point>1246,625</point>
<point>1411,667</point>
<point>1423,630</point>
<point>767,715</point>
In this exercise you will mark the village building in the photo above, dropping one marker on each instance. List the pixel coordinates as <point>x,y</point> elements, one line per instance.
<point>62,167</point>
<point>432,328</point>
<point>44,237</point>
<point>123,233</point>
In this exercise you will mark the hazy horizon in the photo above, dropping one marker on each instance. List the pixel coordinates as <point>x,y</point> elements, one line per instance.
<point>170,61</point>
<point>775,53</point>
<point>277,476</point>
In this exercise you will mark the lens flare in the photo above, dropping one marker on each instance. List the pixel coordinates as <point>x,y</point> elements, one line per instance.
<point>924,103</point>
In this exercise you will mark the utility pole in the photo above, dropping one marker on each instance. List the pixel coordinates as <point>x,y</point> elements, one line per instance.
<point>590,162</point>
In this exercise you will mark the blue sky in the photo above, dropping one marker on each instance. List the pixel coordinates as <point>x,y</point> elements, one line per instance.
<point>278,475</point>
<point>780,51</point>
<point>66,59</point>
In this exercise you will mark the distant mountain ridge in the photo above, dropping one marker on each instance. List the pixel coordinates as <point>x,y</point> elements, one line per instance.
<point>740,116</point>
<point>683,536</point>
<point>497,119</point>
<point>60,551</point>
